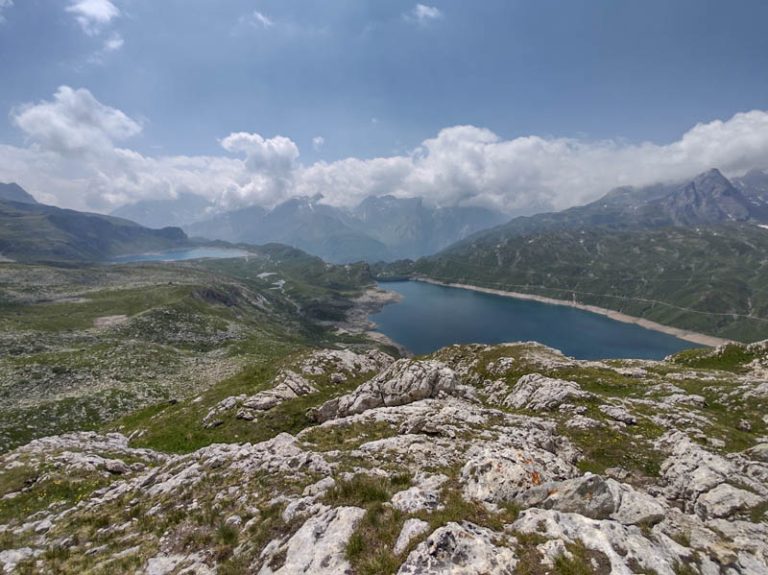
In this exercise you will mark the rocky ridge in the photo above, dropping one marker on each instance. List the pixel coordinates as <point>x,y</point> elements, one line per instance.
<point>476,459</point>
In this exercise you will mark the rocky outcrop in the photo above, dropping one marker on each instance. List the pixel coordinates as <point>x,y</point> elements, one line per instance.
<point>538,393</point>
<point>322,367</point>
<point>461,549</point>
<point>597,498</point>
<point>317,547</point>
<point>404,382</point>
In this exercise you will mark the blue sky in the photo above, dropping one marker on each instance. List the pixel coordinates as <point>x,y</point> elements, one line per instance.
<point>376,79</point>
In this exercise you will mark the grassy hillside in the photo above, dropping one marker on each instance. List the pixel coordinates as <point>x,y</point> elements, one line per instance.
<point>710,280</point>
<point>82,345</point>
<point>39,233</point>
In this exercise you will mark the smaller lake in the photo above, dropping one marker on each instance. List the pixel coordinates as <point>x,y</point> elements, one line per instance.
<point>182,254</point>
<point>430,317</point>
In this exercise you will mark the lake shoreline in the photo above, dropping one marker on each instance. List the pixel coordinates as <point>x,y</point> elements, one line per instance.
<point>358,320</point>
<point>686,335</point>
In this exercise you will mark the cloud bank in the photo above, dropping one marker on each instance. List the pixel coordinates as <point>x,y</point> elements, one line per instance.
<point>76,155</point>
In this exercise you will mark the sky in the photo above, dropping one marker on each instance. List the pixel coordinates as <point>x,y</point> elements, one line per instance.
<point>518,105</point>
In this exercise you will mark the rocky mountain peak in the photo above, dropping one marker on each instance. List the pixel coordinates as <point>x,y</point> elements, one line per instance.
<point>708,198</point>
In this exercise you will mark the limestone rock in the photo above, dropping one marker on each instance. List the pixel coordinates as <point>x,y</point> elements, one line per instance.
<point>404,382</point>
<point>495,474</point>
<point>622,550</point>
<point>597,498</point>
<point>318,547</point>
<point>424,496</point>
<point>724,501</point>
<point>412,528</point>
<point>619,414</point>
<point>538,393</point>
<point>12,557</point>
<point>461,549</point>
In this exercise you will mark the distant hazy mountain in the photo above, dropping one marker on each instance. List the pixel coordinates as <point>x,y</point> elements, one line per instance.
<point>36,232</point>
<point>15,193</point>
<point>380,228</point>
<point>411,229</point>
<point>184,209</point>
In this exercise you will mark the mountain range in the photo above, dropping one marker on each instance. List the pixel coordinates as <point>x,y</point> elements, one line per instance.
<point>709,198</point>
<point>379,228</point>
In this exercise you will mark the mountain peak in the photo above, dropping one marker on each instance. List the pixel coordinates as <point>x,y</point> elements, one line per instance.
<point>710,178</point>
<point>13,192</point>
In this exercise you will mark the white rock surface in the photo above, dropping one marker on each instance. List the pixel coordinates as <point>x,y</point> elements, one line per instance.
<point>317,548</point>
<point>538,393</point>
<point>404,382</point>
<point>423,496</point>
<point>412,528</point>
<point>461,549</point>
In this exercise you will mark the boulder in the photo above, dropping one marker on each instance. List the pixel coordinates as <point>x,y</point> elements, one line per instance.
<point>404,382</point>
<point>616,548</point>
<point>539,393</point>
<point>597,498</point>
<point>725,501</point>
<point>461,549</point>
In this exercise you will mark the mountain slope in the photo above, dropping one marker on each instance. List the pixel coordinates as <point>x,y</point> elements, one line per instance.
<point>36,232</point>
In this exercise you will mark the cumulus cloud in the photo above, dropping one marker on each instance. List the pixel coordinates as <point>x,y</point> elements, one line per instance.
<point>74,151</point>
<point>318,142</point>
<point>93,15</point>
<point>276,155</point>
<point>74,123</point>
<point>422,14</point>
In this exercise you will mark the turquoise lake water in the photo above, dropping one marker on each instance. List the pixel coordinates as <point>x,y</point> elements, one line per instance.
<point>430,317</point>
<point>184,254</point>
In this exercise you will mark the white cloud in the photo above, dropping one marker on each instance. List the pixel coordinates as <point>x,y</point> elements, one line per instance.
<point>4,5</point>
<point>422,14</point>
<point>277,154</point>
<point>113,43</point>
<point>257,19</point>
<point>93,15</point>
<point>73,152</point>
<point>317,143</point>
<point>73,123</point>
